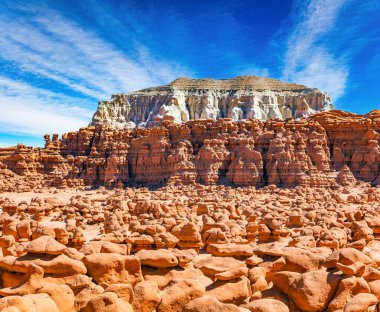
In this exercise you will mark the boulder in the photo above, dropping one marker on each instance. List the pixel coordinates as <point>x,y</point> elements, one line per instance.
<point>214,265</point>
<point>347,256</point>
<point>310,291</point>
<point>28,303</point>
<point>267,305</point>
<point>209,304</point>
<point>300,260</point>
<point>230,250</point>
<point>157,258</point>
<point>59,265</point>
<point>178,293</point>
<point>147,296</point>
<point>234,291</point>
<point>107,302</point>
<point>232,274</point>
<point>45,245</point>
<point>361,303</point>
<point>111,268</point>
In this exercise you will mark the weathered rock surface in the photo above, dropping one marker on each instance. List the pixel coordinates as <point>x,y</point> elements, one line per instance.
<point>239,216</point>
<point>185,99</point>
<point>324,150</point>
<point>191,248</point>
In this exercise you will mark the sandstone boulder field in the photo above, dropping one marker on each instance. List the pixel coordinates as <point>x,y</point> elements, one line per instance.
<point>191,247</point>
<point>177,212</point>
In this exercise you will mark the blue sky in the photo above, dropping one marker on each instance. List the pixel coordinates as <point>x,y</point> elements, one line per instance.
<point>59,57</point>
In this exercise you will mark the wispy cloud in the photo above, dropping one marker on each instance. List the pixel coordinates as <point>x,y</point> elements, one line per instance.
<point>60,52</point>
<point>65,52</point>
<point>308,59</point>
<point>25,109</point>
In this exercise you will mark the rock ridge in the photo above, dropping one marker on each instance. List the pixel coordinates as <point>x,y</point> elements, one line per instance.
<point>185,99</point>
<point>323,150</point>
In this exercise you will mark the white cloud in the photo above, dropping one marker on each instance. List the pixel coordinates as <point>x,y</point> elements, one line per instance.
<point>25,109</point>
<point>78,58</point>
<point>307,59</point>
<point>324,72</point>
<point>34,120</point>
<point>43,42</point>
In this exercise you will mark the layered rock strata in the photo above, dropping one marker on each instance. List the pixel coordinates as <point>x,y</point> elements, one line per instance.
<point>185,99</point>
<point>322,150</point>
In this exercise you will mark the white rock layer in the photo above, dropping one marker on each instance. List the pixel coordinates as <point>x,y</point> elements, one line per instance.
<point>239,98</point>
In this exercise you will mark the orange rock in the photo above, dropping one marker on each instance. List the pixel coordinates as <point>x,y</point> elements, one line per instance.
<point>301,260</point>
<point>146,296</point>
<point>45,245</point>
<point>110,268</point>
<point>311,291</point>
<point>230,250</point>
<point>234,291</point>
<point>207,303</point>
<point>157,258</point>
<point>214,265</point>
<point>34,302</point>
<point>267,305</point>
<point>178,293</point>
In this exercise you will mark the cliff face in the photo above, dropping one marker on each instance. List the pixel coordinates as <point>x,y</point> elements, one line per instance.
<point>322,150</point>
<point>189,99</point>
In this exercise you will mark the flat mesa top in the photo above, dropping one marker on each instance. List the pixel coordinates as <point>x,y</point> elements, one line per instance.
<point>237,83</point>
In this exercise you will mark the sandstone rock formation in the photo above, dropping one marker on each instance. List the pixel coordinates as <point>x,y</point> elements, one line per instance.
<point>243,97</point>
<point>281,215</point>
<point>323,150</point>
<point>191,247</point>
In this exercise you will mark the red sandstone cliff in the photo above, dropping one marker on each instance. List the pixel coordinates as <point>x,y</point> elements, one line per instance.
<point>324,149</point>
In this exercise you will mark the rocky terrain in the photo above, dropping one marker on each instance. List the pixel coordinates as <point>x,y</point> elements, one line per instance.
<point>240,98</point>
<point>324,150</point>
<point>191,248</point>
<point>205,215</point>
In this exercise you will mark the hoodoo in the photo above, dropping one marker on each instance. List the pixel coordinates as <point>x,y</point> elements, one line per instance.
<point>320,150</point>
